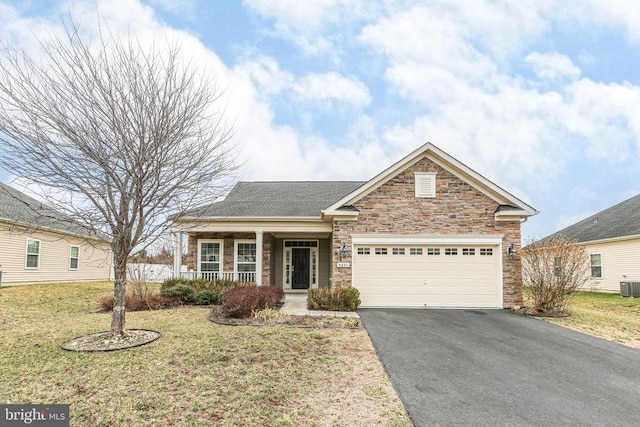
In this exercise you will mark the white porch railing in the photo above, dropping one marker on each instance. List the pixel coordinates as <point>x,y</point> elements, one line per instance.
<point>212,276</point>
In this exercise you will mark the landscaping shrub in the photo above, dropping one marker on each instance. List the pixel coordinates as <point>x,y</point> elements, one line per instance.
<point>244,300</point>
<point>206,297</point>
<point>181,290</point>
<point>334,299</point>
<point>200,291</point>
<point>135,303</point>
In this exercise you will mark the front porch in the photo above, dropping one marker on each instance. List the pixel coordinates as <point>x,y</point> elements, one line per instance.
<point>294,261</point>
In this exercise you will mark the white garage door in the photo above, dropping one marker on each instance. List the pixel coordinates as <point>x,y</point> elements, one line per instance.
<point>427,275</point>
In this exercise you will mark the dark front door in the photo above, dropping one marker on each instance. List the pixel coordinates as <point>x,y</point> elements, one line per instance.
<point>300,258</point>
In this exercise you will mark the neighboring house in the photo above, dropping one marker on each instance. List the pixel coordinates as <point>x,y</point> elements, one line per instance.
<point>426,232</point>
<point>38,244</point>
<point>612,240</point>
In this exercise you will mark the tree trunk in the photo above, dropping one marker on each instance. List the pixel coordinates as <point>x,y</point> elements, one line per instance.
<point>119,291</point>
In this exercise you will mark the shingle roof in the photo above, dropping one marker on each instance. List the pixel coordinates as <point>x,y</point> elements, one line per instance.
<point>278,199</point>
<point>620,220</point>
<point>17,207</point>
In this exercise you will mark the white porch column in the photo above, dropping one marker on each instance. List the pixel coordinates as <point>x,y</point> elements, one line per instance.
<point>177,253</point>
<point>259,249</point>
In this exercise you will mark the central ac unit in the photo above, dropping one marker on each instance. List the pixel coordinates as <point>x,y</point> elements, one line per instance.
<point>630,289</point>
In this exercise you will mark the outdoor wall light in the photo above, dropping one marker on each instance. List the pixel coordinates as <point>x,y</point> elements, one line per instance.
<point>344,253</point>
<point>511,250</point>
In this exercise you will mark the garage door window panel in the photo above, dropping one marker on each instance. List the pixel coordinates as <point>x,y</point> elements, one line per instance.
<point>433,251</point>
<point>364,251</point>
<point>415,251</point>
<point>451,251</point>
<point>398,251</point>
<point>468,251</point>
<point>381,251</point>
<point>486,251</point>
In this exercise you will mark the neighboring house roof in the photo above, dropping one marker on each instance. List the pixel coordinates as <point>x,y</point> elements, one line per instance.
<point>618,221</point>
<point>277,199</point>
<point>20,209</point>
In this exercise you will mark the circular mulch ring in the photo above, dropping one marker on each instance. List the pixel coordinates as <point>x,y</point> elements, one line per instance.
<point>104,341</point>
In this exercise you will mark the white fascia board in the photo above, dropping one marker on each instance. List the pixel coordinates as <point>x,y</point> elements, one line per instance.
<point>36,229</point>
<point>315,226</point>
<point>610,240</point>
<point>511,215</point>
<point>425,239</point>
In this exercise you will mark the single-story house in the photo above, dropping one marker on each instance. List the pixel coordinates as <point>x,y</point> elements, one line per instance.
<point>40,245</point>
<point>612,240</point>
<point>426,232</point>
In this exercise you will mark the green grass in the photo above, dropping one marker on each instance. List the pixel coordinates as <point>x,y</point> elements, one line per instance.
<point>197,374</point>
<point>605,315</point>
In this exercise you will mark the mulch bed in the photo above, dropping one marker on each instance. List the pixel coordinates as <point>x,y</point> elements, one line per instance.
<point>328,321</point>
<point>104,341</point>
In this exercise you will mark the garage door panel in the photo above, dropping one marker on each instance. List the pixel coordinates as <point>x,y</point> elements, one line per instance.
<point>427,280</point>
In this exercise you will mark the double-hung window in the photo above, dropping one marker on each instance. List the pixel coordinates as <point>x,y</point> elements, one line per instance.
<point>33,254</point>
<point>245,257</point>
<point>74,257</point>
<point>596,266</point>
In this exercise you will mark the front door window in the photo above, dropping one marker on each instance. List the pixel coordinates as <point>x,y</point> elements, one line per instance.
<point>300,264</point>
<point>300,267</point>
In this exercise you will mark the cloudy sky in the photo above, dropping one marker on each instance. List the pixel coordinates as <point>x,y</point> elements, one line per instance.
<point>540,96</point>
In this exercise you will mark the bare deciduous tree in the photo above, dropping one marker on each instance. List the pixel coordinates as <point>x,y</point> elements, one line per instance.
<point>552,269</point>
<point>117,136</point>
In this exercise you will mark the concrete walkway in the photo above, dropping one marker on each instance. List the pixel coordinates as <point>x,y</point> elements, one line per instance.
<point>296,304</point>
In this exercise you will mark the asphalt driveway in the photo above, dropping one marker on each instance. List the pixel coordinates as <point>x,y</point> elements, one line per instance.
<point>494,367</point>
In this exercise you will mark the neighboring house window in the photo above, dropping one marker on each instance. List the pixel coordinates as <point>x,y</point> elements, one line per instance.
<point>425,184</point>
<point>468,251</point>
<point>415,251</point>
<point>596,266</point>
<point>364,251</point>
<point>486,251</point>
<point>33,254</point>
<point>74,258</point>
<point>398,251</point>
<point>246,257</point>
<point>381,251</point>
<point>451,251</point>
<point>433,251</point>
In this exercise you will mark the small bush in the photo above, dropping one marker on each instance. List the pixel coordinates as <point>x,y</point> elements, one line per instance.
<point>334,299</point>
<point>244,300</point>
<point>181,290</point>
<point>206,297</point>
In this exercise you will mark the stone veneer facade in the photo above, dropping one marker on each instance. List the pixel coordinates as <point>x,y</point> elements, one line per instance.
<point>458,208</point>
<point>228,251</point>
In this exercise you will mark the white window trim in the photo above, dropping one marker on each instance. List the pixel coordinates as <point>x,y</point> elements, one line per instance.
<point>71,257</point>
<point>285,249</point>
<point>591,266</point>
<point>221,262</point>
<point>235,253</point>
<point>26,254</point>
<point>428,179</point>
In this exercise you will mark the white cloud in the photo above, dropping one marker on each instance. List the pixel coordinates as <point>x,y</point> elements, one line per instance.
<point>552,66</point>
<point>333,86</point>
<point>306,23</point>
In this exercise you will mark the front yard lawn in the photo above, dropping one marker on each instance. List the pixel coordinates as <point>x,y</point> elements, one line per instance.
<point>605,315</point>
<point>197,373</point>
